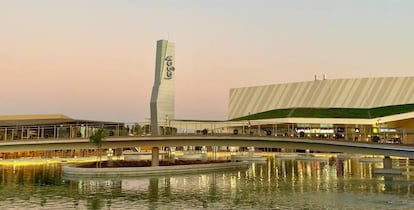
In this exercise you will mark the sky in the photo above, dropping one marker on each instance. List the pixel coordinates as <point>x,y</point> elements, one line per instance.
<point>96,59</point>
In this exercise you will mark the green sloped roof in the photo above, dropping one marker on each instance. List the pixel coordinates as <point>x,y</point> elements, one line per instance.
<point>331,112</point>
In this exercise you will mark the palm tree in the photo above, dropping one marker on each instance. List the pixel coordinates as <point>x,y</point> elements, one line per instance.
<point>98,138</point>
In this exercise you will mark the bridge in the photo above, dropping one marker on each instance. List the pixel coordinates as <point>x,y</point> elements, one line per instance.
<point>213,140</point>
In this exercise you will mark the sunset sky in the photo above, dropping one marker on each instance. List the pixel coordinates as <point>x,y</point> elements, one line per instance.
<point>96,59</point>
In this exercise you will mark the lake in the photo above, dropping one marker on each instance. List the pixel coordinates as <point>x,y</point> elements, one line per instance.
<point>274,184</point>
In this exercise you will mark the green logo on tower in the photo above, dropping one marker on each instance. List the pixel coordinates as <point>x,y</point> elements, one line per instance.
<point>170,67</point>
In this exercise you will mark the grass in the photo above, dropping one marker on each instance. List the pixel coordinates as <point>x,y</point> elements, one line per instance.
<point>331,112</point>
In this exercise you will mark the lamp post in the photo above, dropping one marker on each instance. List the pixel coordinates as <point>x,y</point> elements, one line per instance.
<point>166,124</point>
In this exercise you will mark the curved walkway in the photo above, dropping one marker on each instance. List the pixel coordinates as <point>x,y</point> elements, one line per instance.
<point>211,140</point>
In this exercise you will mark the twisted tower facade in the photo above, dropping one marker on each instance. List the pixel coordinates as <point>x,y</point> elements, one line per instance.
<point>162,103</point>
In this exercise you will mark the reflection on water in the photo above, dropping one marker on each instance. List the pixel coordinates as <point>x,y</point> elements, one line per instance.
<point>275,184</point>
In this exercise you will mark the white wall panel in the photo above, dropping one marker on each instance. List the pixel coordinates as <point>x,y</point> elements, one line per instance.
<point>332,93</point>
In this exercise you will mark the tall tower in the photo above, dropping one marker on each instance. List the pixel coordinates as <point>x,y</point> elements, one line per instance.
<point>163,95</point>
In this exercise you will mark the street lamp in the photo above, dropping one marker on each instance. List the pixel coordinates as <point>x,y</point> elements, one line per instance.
<point>166,124</point>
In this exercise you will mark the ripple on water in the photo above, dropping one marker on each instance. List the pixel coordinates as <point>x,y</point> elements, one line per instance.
<point>277,185</point>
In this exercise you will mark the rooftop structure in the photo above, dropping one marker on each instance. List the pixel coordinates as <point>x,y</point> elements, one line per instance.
<point>368,109</point>
<point>362,98</point>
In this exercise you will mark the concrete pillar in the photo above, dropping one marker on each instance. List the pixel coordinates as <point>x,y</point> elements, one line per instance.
<point>259,130</point>
<point>387,162</point>
<point>155,157</point>
<point>54,132</point>
<point>70,132</point>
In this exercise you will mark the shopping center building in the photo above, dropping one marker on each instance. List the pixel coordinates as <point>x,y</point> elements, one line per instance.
<point>361,109</point>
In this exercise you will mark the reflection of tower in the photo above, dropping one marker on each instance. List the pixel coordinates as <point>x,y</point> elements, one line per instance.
<point>162,98</point>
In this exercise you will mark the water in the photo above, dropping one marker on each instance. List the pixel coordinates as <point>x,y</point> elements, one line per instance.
<point>275,184</point>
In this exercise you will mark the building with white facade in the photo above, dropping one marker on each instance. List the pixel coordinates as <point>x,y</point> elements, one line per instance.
<point>162,103</point>
<point>365,109</point>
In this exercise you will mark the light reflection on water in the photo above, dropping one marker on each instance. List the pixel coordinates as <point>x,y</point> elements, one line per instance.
<point>275,184</point>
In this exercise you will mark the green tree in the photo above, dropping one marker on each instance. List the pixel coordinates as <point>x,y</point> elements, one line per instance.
<point>98,138</point>
<point>138,129</point>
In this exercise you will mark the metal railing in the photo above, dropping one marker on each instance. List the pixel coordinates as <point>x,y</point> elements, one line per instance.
<point>85,130</point>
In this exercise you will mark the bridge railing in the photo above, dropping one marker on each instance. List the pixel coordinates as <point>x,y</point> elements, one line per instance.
<point>83,131</point>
